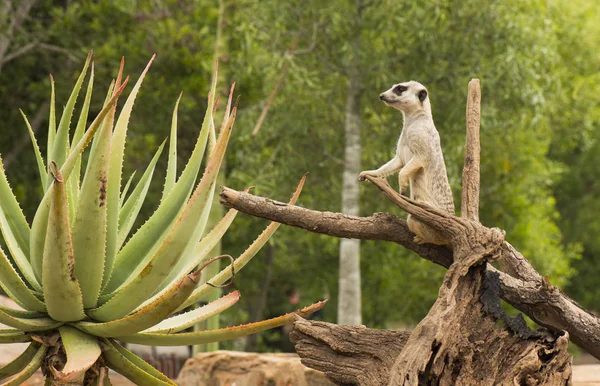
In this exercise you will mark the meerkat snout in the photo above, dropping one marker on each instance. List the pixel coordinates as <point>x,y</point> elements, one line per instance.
<point>381,97</point>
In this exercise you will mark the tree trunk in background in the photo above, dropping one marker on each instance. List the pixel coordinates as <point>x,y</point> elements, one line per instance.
<point>349,298</point>
<point>217,212</point>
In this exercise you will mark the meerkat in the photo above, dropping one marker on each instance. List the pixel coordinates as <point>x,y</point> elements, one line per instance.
<point>419,159</point>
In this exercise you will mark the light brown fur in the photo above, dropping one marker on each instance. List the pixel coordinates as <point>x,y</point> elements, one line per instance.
<point>419,159</point>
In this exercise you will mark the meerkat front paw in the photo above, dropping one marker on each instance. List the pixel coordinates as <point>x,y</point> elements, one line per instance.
<point>363,175</point>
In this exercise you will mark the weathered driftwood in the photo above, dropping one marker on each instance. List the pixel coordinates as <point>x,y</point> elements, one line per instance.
<point>459,341</point>
<point>520,284</point>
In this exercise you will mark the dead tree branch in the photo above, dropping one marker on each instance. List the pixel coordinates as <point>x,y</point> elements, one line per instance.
<point>346,353</point>
<point>583,327</point>
<point>470,177</point>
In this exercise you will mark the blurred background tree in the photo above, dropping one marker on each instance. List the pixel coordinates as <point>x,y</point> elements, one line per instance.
<point>295,63</point>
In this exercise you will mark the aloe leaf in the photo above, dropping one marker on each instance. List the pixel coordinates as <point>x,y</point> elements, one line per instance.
<point>143,244</point>
<point>212,136</point>
<point>82,352</point>
<point>15,230</point>
<point>243,259</point>
<point>180,322</point>
<point>147,279</point>
<point>122,365</point>
<point>51,124</point>
<point>61,288</point>
<point>16,288</point>
<point>92,214</point>
<point>117,151</point>
<point>172,161</point>
<point>126,190</point>
<point>131,209</point>
<point>61,140</point>
<point>40,220</point>
<point>29,369</point>
<point>11,296</point>
<point>109,96</point>
<point>41,324</point>
<point>22,313</point>
<point>19,363</point>
<point>14,337</point>
<point>139,362</point>
<point>36,150</point>
<point>225,116</point>
<point>148,316</point>
<point>75,180</point>
<point>197,253</point>
<point>201,337</point>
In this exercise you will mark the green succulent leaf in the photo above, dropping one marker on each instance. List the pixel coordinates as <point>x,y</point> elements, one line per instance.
<point>40,220</point>
<point>62,292</point>
<point>92,213</point>
<point>130,210</point>
<point>139,362</point>
<point>51,124</point>
<point>15,287</point>
<point>148,316</point>
<point>22,313</point>
<point>82,352</point>
<point>73,183</point>
<point>28,325</point>
<point>243,259</point>
<point>117,152</point>
<point>14,336</point>
<point>148,279</point>
<point>172,161</point>
<point>15,230</point>
<point>29,369</point>
<point>196,254</point>
<point>201,337</point>
<point>38,154</point>
<point>126,367</point>
<point>125,191</point>
<point>60,144</point>
<point>188,319</point>
<point>142,246</point>
<point>19,363</point>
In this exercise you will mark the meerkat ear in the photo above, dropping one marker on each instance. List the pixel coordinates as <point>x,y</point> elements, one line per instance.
<point>422,95</point>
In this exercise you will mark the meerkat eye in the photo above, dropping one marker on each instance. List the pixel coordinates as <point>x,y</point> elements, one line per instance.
<point>398,90</point>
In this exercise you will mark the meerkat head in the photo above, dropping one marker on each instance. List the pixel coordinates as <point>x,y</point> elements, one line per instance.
<point>408,97</point>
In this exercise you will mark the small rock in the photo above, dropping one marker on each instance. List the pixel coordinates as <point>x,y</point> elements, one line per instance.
<point>232,368</point>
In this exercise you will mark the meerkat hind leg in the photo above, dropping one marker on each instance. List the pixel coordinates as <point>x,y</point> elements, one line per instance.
<point>426,234</point>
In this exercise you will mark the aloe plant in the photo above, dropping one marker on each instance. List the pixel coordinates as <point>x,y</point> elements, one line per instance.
<point>83,280</point>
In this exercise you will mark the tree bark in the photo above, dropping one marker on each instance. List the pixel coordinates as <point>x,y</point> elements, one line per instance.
<point>521,285</point>
<point>470,179</point>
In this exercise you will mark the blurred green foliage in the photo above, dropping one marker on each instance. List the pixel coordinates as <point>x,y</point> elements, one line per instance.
<point>538,61</point>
